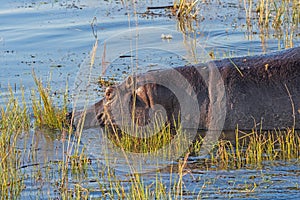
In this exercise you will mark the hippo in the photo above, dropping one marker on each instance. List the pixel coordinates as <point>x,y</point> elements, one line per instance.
<point>246,92</point>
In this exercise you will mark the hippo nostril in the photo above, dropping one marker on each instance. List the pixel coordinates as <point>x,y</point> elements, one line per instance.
<point>100,118</point>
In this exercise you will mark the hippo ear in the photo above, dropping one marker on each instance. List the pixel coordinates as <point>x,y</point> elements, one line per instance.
<point>130,81</point>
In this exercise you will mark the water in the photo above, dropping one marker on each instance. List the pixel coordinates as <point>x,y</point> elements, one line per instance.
<point>55,38</point>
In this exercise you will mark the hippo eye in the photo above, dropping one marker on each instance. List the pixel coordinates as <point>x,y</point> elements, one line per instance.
<point>109,93</point>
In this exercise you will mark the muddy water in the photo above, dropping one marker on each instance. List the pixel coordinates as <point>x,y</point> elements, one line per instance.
<point>54,38</point>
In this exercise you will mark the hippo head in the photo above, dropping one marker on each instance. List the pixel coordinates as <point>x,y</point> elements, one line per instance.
<point>161,96</point>
<point>136,102</point>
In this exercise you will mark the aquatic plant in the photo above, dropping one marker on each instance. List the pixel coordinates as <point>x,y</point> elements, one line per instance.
<point>252,149</point>
<point>44,110</point>
<point>14,115</point>
<point>13,122</point>
<point>11,182</point>
<point>249,150</point>
<point>282,16</point>
<point>139,141</point>
<point>186,8</point>
<point>186,14</point>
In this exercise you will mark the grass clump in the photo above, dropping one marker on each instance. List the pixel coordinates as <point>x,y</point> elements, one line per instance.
<point>11,181</point>
<point>149,139</point>
<point>44,110</point>
<point>14,115</point>
<point>79,162</point>
<point>186,8</point>
<point>247,150</point>
<point>135,186</point>
<point>13,122</point>
<point>142,144</point>
<point>186,14</point>
<point>252,150</point>
<point>283,16</point>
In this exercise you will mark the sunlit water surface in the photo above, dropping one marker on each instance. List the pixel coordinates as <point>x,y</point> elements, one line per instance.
<point>55,40</point>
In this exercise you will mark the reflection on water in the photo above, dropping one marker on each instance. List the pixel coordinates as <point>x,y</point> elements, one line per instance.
<point>46,148</point>
<point>41,147</point>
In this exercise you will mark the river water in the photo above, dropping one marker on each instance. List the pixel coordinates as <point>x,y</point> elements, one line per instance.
<point>55,39</point>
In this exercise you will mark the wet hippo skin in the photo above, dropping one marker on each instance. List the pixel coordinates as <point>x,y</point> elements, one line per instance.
<point>260,91</point>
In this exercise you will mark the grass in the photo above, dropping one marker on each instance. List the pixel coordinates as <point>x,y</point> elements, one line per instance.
<point>283,17</point>
<point>44,110</point>
<point>248,150</point>
<point>14,121</point>
<point>252,150</point>
<point>186,8</point>
<point>105,81</point>
<point>186,14</point>
<point>14,115</point>
<point>139,141</point>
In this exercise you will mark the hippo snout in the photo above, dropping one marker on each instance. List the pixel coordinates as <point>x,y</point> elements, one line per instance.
<point>101,119</point>
<point>92,116</point>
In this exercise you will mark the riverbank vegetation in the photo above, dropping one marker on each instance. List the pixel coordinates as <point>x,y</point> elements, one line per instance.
<point>68,177</point>
<point>247,150</point>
